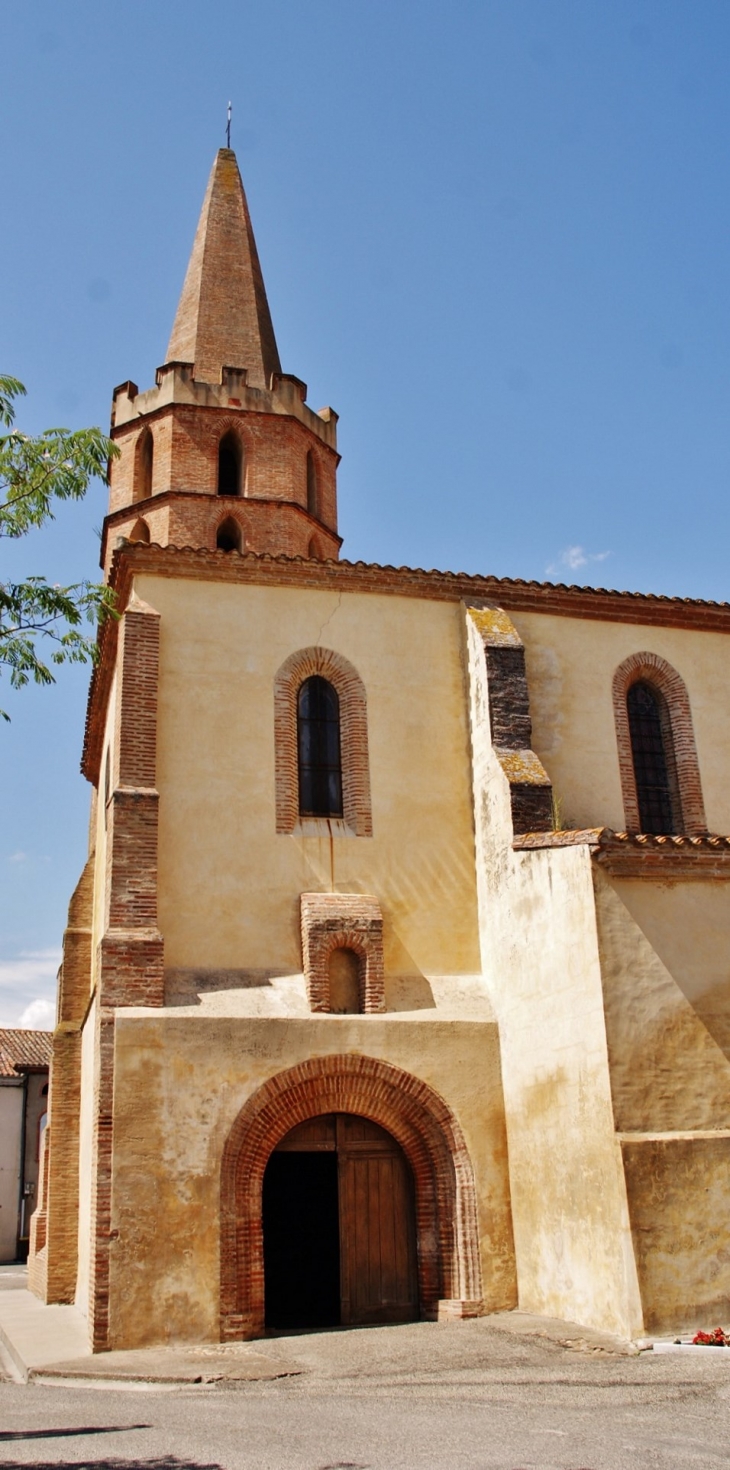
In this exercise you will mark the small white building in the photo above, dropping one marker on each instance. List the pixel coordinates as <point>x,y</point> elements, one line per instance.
<point>24,1061</point>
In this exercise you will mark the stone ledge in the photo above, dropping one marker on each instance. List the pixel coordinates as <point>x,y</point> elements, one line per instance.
<point>642,855</point>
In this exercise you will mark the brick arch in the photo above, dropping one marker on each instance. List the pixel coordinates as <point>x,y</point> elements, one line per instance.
<point>655,670</point>
<point>353,733</point>
<point>449,1273</point>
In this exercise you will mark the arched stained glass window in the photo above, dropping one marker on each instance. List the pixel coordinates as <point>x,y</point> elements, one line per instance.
<point>652,749</point>
<point>318,739</point>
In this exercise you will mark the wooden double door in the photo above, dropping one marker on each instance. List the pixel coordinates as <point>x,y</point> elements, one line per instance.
<point>339,1227</point>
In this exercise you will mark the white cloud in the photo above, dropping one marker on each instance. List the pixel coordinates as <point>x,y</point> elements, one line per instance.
<point>40,1015</point>
<point>17,857</point>
<point>574,557</point>
<point>26,981</point>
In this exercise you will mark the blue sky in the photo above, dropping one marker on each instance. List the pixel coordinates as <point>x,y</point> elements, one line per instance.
<point>494,235</point>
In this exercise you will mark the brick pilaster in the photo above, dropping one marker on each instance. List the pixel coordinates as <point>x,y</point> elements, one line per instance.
<point>531,793</point>
<point>53,1257</point>
<point>130,955</point>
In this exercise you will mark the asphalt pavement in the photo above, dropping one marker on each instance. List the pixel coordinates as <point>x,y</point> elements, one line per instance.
<point>499,1392</point>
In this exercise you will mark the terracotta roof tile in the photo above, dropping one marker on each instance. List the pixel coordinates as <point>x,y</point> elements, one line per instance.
<point>20,1050</point>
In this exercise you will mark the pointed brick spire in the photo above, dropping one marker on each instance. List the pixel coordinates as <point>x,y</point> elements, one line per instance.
<point>223,318</point>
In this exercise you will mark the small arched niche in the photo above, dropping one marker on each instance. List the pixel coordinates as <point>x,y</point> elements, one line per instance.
<point>344,982</point>
<point>312,486</point>
<point>230,464</point>
<point>228,535</point>
<point>315,552</point>
<point>144,458</point>
<point>140,532</point>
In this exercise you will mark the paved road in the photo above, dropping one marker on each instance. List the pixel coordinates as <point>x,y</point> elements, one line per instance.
<point>424,1397</point>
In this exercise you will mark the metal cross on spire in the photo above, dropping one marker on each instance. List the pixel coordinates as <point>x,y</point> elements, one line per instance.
<point>228,127</point>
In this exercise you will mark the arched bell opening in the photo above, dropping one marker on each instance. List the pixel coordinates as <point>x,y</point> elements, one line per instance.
<point>230,464</point>
<point>229,536</point>
<point>143,465</point>
<point>140,532</point>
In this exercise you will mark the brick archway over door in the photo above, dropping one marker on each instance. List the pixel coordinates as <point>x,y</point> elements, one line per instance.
<point>449,1275</point>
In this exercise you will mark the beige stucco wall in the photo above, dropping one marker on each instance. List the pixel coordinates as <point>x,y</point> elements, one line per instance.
<point>570,668</point>
<point>180,1082</point>
<point>678,1198</point>
<point>541,960</point>
<point>228,885</point>
<point>664,949</point>
<point>11,1128</point>
<point>36,1106</point>
<point>688,926</point>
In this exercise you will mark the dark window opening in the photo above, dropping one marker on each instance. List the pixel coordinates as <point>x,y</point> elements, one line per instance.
<point>230,460</point>
<point>652,749</point>
<point>228,537</point>
<point>318,741</point>
<point>145,458</point>
<point>312,496</point>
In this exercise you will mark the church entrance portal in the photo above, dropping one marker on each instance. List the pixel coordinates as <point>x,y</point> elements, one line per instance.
<point>339,1226</point>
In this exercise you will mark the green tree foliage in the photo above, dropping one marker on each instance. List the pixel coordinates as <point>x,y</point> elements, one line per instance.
<point>34,473</point>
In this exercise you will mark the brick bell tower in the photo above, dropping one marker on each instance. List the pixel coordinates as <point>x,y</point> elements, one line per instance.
<point>224,452</point>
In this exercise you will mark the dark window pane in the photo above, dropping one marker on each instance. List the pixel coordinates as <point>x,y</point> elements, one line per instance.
<point>320,761</point>
<point>653,755</point>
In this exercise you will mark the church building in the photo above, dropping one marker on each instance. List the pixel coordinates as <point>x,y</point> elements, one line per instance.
<point>397,982</point>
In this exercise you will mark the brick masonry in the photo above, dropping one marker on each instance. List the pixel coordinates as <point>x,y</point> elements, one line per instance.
<point>449,1272</point>
<point>186,437</point>
<point>194,521</point>
<point>53,1255</point>
<point>655,670</point>
<point>351,921</point>
<point>531,793</point>
<point>130,961</point>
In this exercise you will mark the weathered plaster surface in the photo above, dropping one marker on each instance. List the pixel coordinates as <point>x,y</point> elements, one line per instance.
<point>541,960</point>
<point>667,1071</point>
<point>678,1200</point>
<point>180,1082</point>
<point>12,1099</point>
<point>229,886</point>
<point>258,993</point>
<point>688,926</point>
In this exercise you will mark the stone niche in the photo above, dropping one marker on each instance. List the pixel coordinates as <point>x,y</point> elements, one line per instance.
<point>351,922</point>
